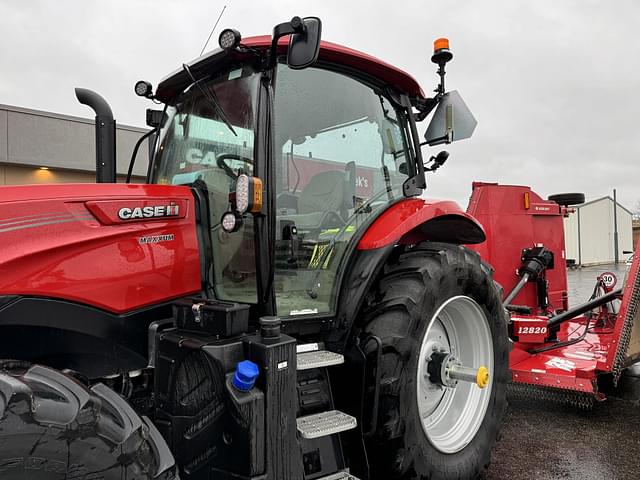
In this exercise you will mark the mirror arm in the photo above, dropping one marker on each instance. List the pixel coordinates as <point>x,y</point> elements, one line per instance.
<point>296,25</point>
<point>438,141</point>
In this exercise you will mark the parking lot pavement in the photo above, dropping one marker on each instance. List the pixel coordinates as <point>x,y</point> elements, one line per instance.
<point>582,280</point>
<point>546,441</point>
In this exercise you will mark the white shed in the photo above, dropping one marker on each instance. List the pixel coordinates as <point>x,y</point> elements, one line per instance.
<point>589,232</point>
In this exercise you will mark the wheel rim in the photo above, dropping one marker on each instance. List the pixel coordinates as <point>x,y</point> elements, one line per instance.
<point>451,416</point>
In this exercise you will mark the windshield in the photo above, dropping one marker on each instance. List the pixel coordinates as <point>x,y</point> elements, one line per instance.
<point>209,136</point>
<point>341,155</point>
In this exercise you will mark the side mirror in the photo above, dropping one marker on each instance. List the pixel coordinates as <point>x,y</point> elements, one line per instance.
<point>436,161</point>
<point>452,121</point>
<point>304,47</point>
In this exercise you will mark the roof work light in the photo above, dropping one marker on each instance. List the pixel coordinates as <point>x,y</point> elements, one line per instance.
<point>144,89</point>
<point>229,39</point>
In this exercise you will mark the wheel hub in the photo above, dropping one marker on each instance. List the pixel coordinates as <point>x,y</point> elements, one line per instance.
<point>446,370</point>
<point>454,384</point>
<point>438,368</point>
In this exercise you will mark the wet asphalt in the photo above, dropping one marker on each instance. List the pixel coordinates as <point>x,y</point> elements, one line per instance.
<point>546,441</point>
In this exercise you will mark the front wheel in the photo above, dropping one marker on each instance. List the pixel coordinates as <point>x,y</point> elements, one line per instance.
<point>54,428</point>
<point>443,366</point>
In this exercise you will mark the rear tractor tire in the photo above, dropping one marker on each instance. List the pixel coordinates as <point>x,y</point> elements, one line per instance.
<point>53,427</point>
<point>435,312</point>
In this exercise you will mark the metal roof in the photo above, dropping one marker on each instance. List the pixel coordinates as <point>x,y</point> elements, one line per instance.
<point>35,138</point>
<point>597,200</point>
<point>64,116</point>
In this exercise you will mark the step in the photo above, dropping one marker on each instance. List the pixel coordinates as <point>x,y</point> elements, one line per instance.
<point>339,476</point>
<point>324,424</point>
<point>318,359</point>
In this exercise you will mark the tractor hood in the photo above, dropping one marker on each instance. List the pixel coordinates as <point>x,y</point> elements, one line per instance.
<point>113,247</point>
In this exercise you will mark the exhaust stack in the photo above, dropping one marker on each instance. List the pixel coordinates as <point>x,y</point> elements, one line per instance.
<point>105,135</point>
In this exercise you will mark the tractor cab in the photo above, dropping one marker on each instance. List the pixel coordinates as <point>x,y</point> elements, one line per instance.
<point>296,159</point>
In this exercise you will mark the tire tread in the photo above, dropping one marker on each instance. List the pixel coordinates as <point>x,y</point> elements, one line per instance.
<point>392,312</point>
<point>81,412</point>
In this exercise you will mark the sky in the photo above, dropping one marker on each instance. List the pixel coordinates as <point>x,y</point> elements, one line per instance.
<point>554,85</point>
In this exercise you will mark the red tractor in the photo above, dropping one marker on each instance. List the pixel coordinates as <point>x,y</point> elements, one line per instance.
<point>277,302</point>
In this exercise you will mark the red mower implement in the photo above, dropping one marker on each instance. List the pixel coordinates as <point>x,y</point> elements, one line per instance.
<point>562,352</point>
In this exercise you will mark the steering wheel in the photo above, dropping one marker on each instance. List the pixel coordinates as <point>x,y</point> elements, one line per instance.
<point>221,161</point>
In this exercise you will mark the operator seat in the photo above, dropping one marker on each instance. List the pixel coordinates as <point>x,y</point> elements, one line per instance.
<point>323,195</point>
<point>325,191</point>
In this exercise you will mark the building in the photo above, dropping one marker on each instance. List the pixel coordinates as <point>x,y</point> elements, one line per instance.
<point>45,147</point>
<point>590,232</point>
<point>636,231</point>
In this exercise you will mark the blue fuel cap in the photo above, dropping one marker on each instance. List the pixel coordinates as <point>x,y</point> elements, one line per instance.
<point>245,376</point>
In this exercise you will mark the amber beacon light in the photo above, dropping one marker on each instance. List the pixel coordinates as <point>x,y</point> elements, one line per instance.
<point>441,52</point>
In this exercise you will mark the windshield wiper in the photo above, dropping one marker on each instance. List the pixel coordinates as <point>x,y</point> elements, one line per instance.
<point>211,97</point>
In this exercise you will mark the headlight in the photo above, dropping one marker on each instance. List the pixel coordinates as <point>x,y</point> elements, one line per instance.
<point>248,194</point>
<point>231,221</point>
<point>242,193</point>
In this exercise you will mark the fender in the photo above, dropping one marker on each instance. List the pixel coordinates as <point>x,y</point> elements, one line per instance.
<point>414,219</point>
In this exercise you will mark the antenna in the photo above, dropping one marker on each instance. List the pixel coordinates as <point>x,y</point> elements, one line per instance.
<point>213,29</point>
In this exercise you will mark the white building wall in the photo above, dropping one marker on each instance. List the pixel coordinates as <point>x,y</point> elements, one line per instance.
<point>596,233</point>
<point>594,244</point>
<point>625,231</point>
<point>571,237</point>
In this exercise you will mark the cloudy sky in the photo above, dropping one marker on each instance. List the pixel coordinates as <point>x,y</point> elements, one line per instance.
<point>555,85</point>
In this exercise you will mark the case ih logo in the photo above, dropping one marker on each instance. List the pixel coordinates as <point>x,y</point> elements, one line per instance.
<point>157,211</point>
<point>196,156</point>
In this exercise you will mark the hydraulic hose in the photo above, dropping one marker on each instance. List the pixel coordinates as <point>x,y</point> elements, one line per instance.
<point>135,153</point>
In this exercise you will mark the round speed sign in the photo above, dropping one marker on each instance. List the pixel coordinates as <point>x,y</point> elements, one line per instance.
<point>608,279</point>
